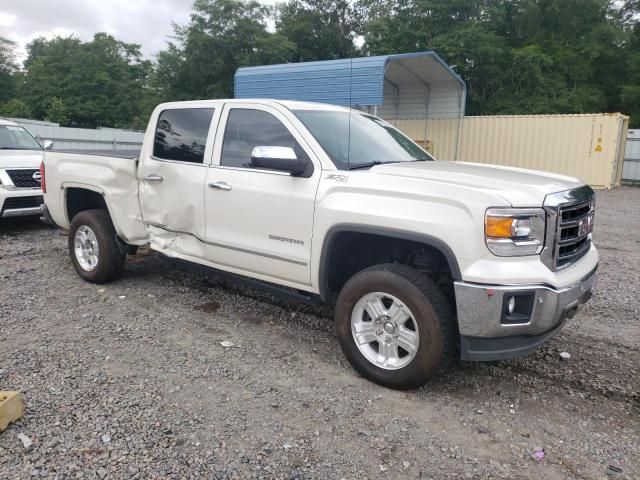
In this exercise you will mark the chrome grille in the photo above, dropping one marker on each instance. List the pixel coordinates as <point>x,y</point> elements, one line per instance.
<point>575,223</point>
<point>569,225</point>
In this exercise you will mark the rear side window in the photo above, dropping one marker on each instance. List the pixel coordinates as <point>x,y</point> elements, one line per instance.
<point>181,134</point>
<point>247,129</point>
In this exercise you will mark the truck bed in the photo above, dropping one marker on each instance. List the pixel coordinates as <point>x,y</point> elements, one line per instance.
<point>112,177</point>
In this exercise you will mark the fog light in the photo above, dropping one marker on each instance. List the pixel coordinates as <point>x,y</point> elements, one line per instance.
<point>511,305</point>
<point>517,307</point>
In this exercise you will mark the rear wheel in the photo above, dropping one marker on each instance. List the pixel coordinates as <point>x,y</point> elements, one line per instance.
<point>395,326</point>
<point>93,246</point>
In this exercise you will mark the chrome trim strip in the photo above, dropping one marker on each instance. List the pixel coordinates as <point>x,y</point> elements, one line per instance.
<point>228,247</point>
<point>576,195</point>
<point>533,285</point>
<point>5,180</point>
<point>12,188</point>
<point>21,212</point>
<point>250,169</point>
<point>180,162</point>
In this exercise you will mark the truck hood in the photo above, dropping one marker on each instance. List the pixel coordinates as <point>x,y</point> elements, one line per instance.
<point>519,187</point>
<point>20,158</point>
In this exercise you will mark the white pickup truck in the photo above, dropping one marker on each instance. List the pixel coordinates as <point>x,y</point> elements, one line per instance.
<point>20,159</point>
<point>424,260</point>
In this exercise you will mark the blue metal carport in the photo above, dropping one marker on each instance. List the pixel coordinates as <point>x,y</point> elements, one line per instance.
<point>408,86</point>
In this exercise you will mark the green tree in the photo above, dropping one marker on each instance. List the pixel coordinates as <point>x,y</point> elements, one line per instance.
<point>15,108</point>
<point>582,39</point>
<point>462,31</point>
<point>57,112</point>
<point>320,29</point>
<point>481,57</point>
<point>516,56</point>
<point>222,36</point>
<point>102,81</point>
<point>630,10</point>
<point>630,92</point>
<point>394,26</point>
<point>7,69</point>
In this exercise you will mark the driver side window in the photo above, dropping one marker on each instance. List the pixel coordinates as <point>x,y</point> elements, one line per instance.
<point>246,129</point>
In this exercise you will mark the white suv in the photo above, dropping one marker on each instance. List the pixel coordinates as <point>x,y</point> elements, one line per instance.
<point>20,158</point>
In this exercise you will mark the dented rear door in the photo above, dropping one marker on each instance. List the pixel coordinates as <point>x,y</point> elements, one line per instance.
<point>172,175</point>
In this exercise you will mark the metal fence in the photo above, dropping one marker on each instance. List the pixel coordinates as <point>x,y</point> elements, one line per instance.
<point>84,139</point>
<point>631,169</point>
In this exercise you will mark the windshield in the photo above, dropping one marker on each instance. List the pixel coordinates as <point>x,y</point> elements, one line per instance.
<point>13,137</point>
<point>373,141</point>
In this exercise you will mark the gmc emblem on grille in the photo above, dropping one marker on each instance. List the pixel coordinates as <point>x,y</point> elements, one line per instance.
<point>37,176</point>
<point>585,226</point>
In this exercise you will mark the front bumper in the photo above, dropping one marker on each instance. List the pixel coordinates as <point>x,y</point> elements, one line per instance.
<point>489,332</point>
<point>20,202</point>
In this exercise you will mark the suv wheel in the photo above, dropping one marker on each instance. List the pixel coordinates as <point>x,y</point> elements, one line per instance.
<point>395,326</point>
<point>93,247</point>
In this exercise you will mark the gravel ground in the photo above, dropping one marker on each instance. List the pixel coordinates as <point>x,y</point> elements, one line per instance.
<point>130,380</point>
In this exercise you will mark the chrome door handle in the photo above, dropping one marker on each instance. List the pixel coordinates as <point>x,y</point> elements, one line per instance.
<point>153,178</point>
<point>220,186</point>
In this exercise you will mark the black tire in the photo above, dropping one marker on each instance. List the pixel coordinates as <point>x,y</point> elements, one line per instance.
<point>430,310</point>
<point>111,256</point>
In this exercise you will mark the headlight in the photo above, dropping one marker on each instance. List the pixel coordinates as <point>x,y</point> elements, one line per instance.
<point>513,232</point>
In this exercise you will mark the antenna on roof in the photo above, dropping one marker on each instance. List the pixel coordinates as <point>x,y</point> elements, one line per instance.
<point>350,107</point>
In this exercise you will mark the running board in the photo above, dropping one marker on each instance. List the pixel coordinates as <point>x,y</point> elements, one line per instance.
<point>291,294</point>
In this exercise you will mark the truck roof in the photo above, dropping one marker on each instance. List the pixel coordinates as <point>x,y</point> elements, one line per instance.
<point>290,104</point>
<point>298,105</point>
<point>4,121</point>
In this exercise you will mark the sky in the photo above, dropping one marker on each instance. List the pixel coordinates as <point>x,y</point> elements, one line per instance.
<point>145,22</point>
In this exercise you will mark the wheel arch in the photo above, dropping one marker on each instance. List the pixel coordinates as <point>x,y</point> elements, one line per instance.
<point>80,197</point>
<point>389,234</point>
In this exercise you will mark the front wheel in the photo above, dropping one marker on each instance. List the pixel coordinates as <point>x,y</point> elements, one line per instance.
<point>93,247</point>
<point>395,326</point>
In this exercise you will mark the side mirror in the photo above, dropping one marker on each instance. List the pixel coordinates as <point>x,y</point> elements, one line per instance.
<point>278,158</point>
<point>48,144</point>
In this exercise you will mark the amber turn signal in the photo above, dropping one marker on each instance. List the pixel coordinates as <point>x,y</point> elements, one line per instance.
<point>498,227</point>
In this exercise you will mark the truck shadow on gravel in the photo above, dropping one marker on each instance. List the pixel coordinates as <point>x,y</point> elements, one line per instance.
<point>11,227</point>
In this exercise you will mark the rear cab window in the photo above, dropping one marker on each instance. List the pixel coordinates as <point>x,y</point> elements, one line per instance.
<point>181,134</point>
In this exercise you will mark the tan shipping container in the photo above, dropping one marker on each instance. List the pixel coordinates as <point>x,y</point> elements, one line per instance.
<point>589,146</point>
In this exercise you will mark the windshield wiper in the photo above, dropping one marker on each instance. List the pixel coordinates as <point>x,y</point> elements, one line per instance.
<point>365,165</point>
<point>378,162</point>
<point>372,164</point>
